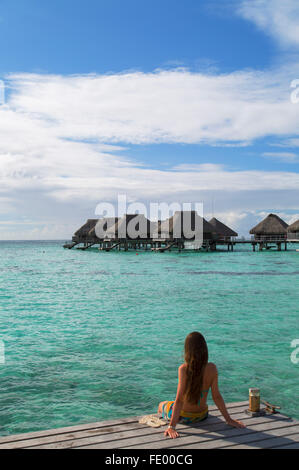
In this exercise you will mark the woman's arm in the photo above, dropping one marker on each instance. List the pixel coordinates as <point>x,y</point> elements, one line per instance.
<point>170,431</point>
<point>219,402</point>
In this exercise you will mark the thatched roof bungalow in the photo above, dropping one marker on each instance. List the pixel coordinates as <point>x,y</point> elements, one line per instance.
<point>222,231</point>
<point>271,228</point>
<point>293,231</point>
<point>130,226</point>
<point>98,232</point>
<point>82,234</point>
<point>183,224</point>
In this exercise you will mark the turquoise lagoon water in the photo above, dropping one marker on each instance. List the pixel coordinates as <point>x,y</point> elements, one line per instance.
<point>93,335</point>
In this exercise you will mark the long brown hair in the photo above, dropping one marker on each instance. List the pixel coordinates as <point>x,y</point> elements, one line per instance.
<point>196,358</point>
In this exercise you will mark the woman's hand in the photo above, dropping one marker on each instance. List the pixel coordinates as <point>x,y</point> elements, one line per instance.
<point>235,423</point>
<point>171,433</point>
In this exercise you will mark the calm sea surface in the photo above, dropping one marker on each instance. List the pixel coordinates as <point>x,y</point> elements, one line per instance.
<point>90,336</point>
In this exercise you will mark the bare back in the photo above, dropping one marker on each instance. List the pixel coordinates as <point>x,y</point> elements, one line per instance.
<point>210,375</point>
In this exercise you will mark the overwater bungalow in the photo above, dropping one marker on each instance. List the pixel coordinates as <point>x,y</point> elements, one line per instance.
<point>271,230</point>
<point>222,231</point>
<point>293,231</point>
<point>131,227</point>
<point>98,232</point>
<point>82,234</point>
<point>182,224</point>
<point>129,231</point>
<point>178,231</point>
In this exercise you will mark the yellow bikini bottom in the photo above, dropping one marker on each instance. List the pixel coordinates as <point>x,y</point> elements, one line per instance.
<point>185,418</point>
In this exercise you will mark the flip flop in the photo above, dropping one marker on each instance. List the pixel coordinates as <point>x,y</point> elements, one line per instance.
<point>152,421</point>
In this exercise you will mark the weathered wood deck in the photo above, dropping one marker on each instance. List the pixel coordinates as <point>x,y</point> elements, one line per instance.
<point>269,431</point>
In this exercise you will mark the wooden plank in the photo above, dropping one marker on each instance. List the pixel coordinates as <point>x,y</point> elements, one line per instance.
<point>290,431</point>
<point>277,442</point>
<point>67,429</point>
<point>110,438</point>
<point>290,446</point>
<point>194,436</point>
<point>144,437</point>
<point>128,433</point>
<point>67,440</point>
<point>255,434</point>
<point>82,427</point>
<point>140,432</point>
<point>258,440</point>
<point>188,434</point>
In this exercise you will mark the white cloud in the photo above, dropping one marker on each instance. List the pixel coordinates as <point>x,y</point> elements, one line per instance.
<point>230,218</point>
<point>209,167</point>
<point>6,205</point>
<point>46,116</point>
<point>278,18</point>
<point>286,157</point>
<point>34,231</point>
<point>165,106</point>
<point>62,140</point>
<point>291,143</point>
<point>288,218</point>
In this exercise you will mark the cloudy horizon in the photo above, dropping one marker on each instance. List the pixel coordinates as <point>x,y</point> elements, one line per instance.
<point>221,132</point>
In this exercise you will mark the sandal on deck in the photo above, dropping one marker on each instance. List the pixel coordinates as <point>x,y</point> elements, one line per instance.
<point>153,421</point>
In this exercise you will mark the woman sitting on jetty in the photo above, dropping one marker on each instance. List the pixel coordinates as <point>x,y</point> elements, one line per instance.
<point>196,377</point>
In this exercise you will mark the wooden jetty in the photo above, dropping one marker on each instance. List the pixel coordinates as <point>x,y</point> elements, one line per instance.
<point>179,245</point>
<point>168,246</point>
<point>271,431</point>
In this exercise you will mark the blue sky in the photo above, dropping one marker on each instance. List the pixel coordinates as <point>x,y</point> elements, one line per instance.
<point>71,36</point>
<point>162,100</point>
